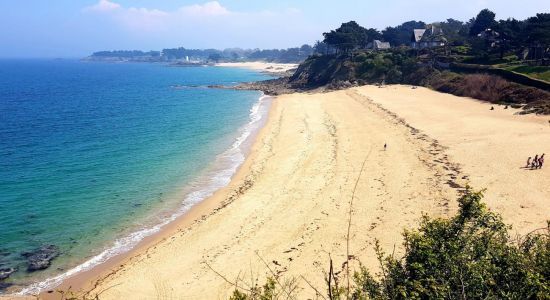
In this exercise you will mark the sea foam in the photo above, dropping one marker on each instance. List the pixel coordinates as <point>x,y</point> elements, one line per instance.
<point>219,175</point>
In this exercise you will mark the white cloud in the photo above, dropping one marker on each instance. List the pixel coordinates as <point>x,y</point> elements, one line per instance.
<point>103,6</point>
<point>143,19</point>
<point>207,24</point>
<point>146,19</point>
<point>213,8</point>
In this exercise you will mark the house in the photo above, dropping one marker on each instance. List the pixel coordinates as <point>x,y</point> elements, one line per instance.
<point>378,45</point>
<point>538,52</point>
<point>428,38</point>
<point>490,36</point>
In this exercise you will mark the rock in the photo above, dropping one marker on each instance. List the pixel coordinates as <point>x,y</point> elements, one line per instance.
<point>4,285</point>
<point>6,272</point>
<point>41,258</point>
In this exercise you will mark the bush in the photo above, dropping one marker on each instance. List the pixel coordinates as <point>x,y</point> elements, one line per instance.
<point>490,88</point>
<point>267,292</point>
<point>469,256</point>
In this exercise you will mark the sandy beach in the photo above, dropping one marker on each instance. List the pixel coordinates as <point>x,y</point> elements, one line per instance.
<point>286,211</point>
<point>271,68</point>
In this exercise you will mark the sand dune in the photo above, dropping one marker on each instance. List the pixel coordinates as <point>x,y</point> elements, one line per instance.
<point>288,206</point>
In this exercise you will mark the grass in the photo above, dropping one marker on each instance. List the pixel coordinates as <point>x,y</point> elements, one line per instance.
<point>538,72</point>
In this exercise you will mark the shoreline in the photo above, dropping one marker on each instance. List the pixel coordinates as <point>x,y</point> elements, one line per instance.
<point>224,165</point>
<point>276,69</point>
<point>297,138</point>
<point>84,281</point>
<point>288,204</point>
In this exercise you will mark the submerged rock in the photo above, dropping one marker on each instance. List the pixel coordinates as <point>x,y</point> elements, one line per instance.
<point>41,258</point>
<point>4,285</point>
<point>6,272</point>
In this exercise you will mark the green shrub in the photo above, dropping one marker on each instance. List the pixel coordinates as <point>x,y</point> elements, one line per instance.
<point>267,292</point>
<point>463,50</point>
<point>470,256</point>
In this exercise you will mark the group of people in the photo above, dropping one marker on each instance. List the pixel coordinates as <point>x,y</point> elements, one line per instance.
<point>535,163</point>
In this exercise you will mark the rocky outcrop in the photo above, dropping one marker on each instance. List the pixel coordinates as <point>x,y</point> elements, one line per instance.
<point>319,71</point>
<point>41,258</point>
<point>6,272</point>
<point>270,87</point>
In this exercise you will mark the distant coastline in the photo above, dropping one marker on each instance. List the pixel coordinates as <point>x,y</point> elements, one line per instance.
<point>184,56</point>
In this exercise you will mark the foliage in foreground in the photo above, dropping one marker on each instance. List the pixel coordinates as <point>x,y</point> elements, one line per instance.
<point>470,256</point>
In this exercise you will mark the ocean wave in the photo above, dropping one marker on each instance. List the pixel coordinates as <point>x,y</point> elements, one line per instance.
<point>224,167</point>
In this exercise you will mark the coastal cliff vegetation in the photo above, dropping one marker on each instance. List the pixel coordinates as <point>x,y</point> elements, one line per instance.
<point>469,256</point>
<point>400,66</point>
<point>503,62</point>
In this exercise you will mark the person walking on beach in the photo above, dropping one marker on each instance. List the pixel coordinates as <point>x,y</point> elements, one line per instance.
<point>385,146</point>
<point>541,161</point>
<point>534,163</point>
<point>528,162</point>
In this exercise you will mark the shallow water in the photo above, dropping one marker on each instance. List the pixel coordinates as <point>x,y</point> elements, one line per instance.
<point>92,153</point>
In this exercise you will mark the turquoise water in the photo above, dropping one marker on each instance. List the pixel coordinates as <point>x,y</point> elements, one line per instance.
<point>92,153</point>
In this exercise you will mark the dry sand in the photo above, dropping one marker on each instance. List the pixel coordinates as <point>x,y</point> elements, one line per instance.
<point>273,68</point>
<point>491,146</point>
<point>288,205</point>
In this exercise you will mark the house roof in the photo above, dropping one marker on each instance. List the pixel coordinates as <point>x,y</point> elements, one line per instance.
<point>488,33</point>
<point>381,45</point>
<point>417,34</point>
<point>432,34</point>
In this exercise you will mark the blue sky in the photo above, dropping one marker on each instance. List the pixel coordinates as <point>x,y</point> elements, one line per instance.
<point>71,28</point>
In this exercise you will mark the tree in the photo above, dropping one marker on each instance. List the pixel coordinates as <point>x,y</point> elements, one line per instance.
<point>347,37</point>
<point>511,35</point>
<point>538,35</point>
<point>306,50</point>
<point>485,19</point>
<point>215,57</point>
<point>234,56</point>
<point>538,29</point>
<point>373,34</point>
<point>401,34</point>
<point>455,31</point>
<point>320,47</point>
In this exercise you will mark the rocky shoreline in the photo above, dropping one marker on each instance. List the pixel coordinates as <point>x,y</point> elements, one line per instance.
<point>37,259</point>
<point>272,87</point>
<point>41,258</point>
<point>284,85</point>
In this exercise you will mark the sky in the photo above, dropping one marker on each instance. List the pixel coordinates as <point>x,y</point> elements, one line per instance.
<point>76,28</point>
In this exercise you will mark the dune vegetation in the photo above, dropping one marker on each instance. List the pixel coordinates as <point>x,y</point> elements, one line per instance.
<point>469,256</point>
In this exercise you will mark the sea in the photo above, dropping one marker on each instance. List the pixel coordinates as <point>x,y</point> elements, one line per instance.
<point>96,156</point>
